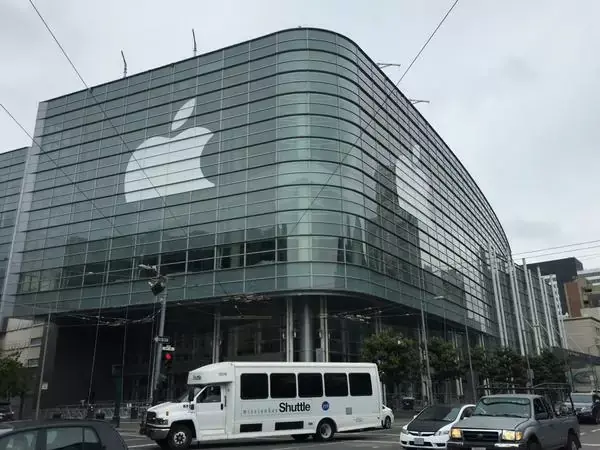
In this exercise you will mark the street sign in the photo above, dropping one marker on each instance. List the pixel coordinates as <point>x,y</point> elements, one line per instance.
<point>168,348</point>
<point>161,340</point>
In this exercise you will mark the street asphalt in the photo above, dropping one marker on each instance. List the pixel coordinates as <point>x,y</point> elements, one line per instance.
<point>377,439</point>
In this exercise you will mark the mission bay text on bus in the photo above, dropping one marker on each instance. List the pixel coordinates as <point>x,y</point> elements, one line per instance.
<point>241,400</point>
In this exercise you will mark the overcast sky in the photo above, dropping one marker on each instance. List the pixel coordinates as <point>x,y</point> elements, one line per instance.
<point>512,83</point>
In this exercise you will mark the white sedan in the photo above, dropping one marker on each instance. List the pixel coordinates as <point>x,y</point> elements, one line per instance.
<point>431,427</point>
<point>387,417</point>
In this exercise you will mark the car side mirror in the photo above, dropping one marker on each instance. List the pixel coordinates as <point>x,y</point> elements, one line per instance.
<point>541,416</point>
<point>415,416</point>
<point>192,406</point>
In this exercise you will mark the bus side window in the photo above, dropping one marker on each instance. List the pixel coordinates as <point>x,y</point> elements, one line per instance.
<point>336,385</point>
<point>283,385</point>
<point>360,385</point>
<point>254,386</point>
<point>310,385</point>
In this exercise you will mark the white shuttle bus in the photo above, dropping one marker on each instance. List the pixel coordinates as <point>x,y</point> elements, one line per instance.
<point>242,400</point>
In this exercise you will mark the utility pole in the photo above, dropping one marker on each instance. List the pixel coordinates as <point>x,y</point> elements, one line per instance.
<point>158,286</point>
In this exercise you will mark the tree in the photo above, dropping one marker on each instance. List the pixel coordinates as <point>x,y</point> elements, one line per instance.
<point>508,366</point>
<point>480,361</point>
<point>397,357</point>
<point>444,360</point>
<point>500,366</point>
<point>15,379</point>
<point>548,368</point>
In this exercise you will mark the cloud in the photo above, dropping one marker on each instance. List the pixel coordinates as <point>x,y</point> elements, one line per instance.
<point>533,230</point>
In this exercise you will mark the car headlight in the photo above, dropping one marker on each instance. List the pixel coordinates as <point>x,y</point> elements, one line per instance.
<point>510,435</point>
<point>456,433</point>
<point>442,432</point>
<point>162,421</point>
<point>585,409</point>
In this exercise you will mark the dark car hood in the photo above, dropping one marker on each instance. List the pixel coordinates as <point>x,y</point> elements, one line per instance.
<point>426,425</point>
<point>491,423</point>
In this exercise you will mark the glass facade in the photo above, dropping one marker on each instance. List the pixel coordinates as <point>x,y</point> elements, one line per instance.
<point>284,166</point>
<point>12,168</point>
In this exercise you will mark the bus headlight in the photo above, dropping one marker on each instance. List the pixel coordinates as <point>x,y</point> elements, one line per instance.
<point>510,435</point>
<point>456,433</point>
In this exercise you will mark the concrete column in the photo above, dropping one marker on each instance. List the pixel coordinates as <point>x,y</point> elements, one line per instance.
<point>232,346</point>
<point>324,328</point>
<point>459,382</point>
<point>216,340</point>
<point>517,305</point>
<point>532,309</point>
<point>544,295</point>
<point>258,339</point>
<point>497,296</point>
<point>378,323</point>
<point>289,330</point>
<point>344,334</point>
<point>306,334</point>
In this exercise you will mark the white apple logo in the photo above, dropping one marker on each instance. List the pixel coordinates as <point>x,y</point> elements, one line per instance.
<point>162,166</point>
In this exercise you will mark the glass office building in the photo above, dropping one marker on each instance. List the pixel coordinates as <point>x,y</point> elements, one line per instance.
<point>293,197</point>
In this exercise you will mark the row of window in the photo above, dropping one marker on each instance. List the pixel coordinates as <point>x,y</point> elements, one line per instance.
<point>365,64</point>
<point>484,205</point>
<point>259,386</point>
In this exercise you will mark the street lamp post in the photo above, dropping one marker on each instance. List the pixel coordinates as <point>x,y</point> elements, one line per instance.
<point>158,286</point>
<point>43,364</point>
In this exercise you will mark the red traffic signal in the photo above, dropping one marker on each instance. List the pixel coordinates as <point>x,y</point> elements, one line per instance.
<point>168,360</point>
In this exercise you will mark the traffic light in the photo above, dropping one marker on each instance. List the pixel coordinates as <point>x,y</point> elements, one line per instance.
<point>168,360</point>
<point>157,286</point>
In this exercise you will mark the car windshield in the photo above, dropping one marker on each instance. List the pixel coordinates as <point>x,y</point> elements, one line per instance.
<point>503,407</point>
<point>439,413</point>
<point>4,409</point>
<point>581,398</point>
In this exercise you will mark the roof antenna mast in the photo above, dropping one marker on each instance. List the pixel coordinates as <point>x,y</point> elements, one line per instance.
<point>124,64</point>
<point>194,37</point>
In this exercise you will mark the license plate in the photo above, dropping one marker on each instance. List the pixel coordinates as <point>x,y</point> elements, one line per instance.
<point>478,448</point>
<point>421,441</point>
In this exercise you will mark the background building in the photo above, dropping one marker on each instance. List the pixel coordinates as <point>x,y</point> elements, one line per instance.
<point>565,269</point>
<point>296,201</point>
<point>592,275</point>
<point>583,334</point>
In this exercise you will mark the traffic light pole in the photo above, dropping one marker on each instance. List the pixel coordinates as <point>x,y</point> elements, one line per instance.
<point>161,332</point>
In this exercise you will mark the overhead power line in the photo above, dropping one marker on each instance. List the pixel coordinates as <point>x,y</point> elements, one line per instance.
<point>433,33</point>
<point>597,241</point>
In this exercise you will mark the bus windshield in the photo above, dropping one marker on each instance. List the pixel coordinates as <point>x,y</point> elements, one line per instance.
<point>191,393</point>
